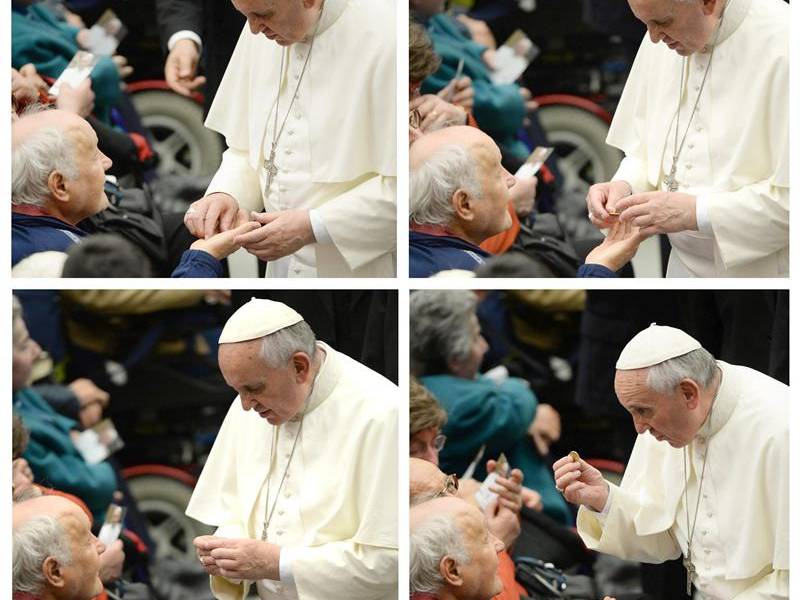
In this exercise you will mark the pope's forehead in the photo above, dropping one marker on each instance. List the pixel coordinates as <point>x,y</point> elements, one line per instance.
<point>653,9</point>
<point>632,384</point>
<point>247,350</point>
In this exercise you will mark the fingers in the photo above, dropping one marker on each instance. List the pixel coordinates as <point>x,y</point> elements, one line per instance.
<point>223,553</point>
<point>596,200</point>
<point>255,236</point>
<point>265,217</point>
<point>228,217</point>
<point>211,219</point>
<point>632,200</point>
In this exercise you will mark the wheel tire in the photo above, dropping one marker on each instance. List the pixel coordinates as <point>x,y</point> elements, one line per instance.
<point>163,501</point>
<point>570,129</point>
<point>183,143</point>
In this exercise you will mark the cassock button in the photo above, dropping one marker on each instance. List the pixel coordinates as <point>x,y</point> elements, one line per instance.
<point>280,532</point>
<point>698,128</point>
<point>287,455</point>
<point>297,116</point>
<point>290,132</point>
<point>296,76</point>
<point>709,514</point>
<point>705,531</point>
<point>281,511</point>
<point>697,88</point>
<point>706,550</point>
<point>691,146</point>
<point>288,494</point>
<point>689,167</point>
<point>288,152</point>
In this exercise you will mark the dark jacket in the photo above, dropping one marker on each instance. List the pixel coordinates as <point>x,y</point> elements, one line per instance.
<point>429,254</point>
<point>39,233</point>
<point>197,263</point>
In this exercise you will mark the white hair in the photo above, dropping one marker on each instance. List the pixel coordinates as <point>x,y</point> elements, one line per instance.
<point>429,543</point>
<point>16,314</point>
<point>440,329</point>
<point>277,348</point>
<point>34,159</point>
<point>32,543</point>
<point>433,184</point>
<point>698,365</point>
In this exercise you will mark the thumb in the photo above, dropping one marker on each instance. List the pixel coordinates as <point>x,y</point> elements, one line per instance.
<point>491,508</point>
<point>244,228</point>
<point>265,217</point>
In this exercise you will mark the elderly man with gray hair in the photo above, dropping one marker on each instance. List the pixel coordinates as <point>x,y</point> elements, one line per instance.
<point>57,180</point>
<point>54,554</point>
<point>452,553</point>
<point>302,480</point>
<point>711,480</point>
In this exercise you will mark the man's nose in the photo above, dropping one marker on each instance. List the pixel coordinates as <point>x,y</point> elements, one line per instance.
<point>99,546</point>
<point>640,426</point>
<point>106,163</point>
<point>247,403</point>
<point>656,35</point>
<point>510,179</point>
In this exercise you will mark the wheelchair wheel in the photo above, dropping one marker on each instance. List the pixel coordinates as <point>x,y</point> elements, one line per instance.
<point>579,138</point>
<point>182,142</point>
<point>162,500</point>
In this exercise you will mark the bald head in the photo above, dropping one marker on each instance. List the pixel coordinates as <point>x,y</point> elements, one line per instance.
<point>471,139</point>
<point>425,480</point>
<point>55,506</point>
<point>57,167</point>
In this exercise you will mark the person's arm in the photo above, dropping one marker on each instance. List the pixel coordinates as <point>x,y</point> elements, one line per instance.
<point>61,398</point>
<point>362,223</point>
<point>613,531</point>
<point>179,17</point>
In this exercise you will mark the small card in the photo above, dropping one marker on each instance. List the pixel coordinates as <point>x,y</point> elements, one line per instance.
<point>512,58</point>
<point>534,162</point>
<point>77,70</point>
<point>112,526</point>
<point>485,495</point>
<point>99,442</point>
<point>106,34</point>
<point>448,97</point>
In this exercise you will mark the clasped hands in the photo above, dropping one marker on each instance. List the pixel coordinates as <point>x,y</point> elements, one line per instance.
<point>235,558</point>
<point>223,227</point>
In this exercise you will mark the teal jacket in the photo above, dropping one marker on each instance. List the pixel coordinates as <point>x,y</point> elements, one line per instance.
<point>38,36</point>
<point>54,459</point>
<point>499,109</point>
<point>479,412</point>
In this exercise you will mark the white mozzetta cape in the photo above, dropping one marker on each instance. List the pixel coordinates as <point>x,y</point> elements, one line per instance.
<point>339,142</point>
<point>736,154</point>
<point>346,496</point>
<point>741,541</point>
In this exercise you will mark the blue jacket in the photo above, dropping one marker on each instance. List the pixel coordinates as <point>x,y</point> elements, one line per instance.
<point>38,233</point>
<point>197,263</point>
<point>54,459</point>
<point>595,271</point>
<point>428,254</point>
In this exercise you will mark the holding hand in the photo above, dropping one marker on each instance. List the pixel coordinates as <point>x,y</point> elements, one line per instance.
<point>459,92</point>
<point>180,69</point>
<point>602,198</point>
<point>659,212</point>
<point>580,483</point>
<point>223,244</point>
<point>283,233</point>
<point>523,195</point>
<point>247,559</point>
<point>618,248</point>
<point>545,428</point>
<point>509,489</point>
<point>78,99</point>
<point>502,522</point>
<point>212,214</point>
<point>111,562</point>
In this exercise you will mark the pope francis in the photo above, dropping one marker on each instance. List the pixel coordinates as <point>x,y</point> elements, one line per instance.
<point>307,108</point>
<point>302,479</point>
<point>710,481</point>
<point>704,125</point>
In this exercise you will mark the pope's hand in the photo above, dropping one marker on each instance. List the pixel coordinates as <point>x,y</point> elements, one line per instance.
<point>618,248</point>
<point>222,245</point>
<point>581,483</point>
<point>282,233</point>
<point>659,212</point>
<point>180,69</point>
<point>232,558</point>
<point>509,489</point>
<point>605,196</point>
<point>212,214</point>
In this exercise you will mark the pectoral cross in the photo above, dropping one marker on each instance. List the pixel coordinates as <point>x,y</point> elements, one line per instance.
<point>690,570</point>
<point>270,166</point>
<point>669,180</point>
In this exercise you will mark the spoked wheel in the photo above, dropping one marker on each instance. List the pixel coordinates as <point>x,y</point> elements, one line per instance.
<point>182,142</point>
<point>162,500</point>
<point>579,138</point>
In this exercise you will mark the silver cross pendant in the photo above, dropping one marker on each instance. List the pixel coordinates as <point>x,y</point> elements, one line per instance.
<point>670,181</point>
<point>687,562</point>
<point>271,167</point>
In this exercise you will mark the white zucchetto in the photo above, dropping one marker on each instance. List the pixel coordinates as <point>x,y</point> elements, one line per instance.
<point>256,319</point>
<point>654,345</point>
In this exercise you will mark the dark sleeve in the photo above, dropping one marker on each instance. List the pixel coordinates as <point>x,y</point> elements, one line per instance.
<point>61,398</point>
<point>196,263</point>
<point>595,271</point>
<point>176,15</point>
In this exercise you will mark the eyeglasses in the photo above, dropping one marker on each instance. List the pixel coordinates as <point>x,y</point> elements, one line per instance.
<point>418,449</point>
<point>450,486</point>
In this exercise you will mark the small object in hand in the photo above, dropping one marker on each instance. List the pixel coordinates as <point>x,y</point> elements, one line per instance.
<point>613,211</point>
<point>575,456</point>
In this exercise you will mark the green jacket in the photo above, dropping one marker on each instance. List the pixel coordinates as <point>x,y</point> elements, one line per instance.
<point>479,412</point>
<point>54,459</point>
<point>499,109</point>
<point>38,36</point>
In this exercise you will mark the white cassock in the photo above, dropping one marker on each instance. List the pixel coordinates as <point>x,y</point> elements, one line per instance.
<point>337,154</point>
<point>736,155</point>
<point>336,515</point>
<point>740,545</point>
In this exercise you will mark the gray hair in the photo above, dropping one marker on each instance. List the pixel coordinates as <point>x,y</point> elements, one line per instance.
<point>16,314</point>
<point>433,184</point>
<point>440,329</point>
<point>698,365</point>
<point>429,543</point>
<point>32,543</point>
<point>34,159</point>
<point>277,348</point>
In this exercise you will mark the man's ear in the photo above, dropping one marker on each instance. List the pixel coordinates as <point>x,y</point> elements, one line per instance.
<point>462,205</point>
<point>52,573</point>
<point>448,569</point>
<point>57,184</point>
<point>709,6</point>
<point>690,393</point>
<point>301,363</point>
